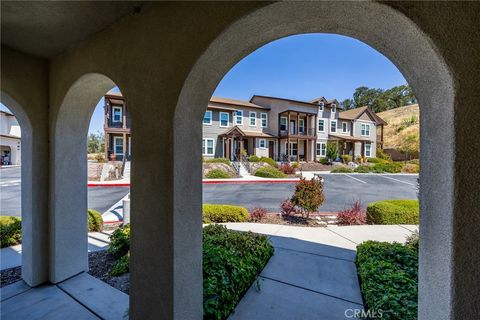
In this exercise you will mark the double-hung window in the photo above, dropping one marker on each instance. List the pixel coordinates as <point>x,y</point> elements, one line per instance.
<point>118,145</point>
<point>333,126</point>
<point>365,129</point>
<point>253,119</point>
<point>344,127</point>
<point>262,143</point>
<point>207,117</point>
<point>301,126</point>
<point>283,123</point>
<point>207,147</point>
<point>321,125</point>
<point>334,108</point>
<point>320,106</point>
<point>368,150</point>
<point>224,119</point>
<point>264,118</point>
<point>239,117</point>
<point>321,149</point>
<point>117,114</point>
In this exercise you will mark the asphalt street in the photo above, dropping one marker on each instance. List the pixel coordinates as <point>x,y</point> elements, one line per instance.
<point>340,192</point>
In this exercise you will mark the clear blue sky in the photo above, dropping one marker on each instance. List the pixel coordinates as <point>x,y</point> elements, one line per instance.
<point>302,67</point>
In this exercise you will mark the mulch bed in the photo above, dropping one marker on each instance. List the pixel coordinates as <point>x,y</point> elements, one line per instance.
<point>295,220</point>
<point>99,262</point>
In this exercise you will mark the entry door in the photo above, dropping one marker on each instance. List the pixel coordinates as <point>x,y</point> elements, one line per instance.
<point>271,147</point>
<point>292,127</point>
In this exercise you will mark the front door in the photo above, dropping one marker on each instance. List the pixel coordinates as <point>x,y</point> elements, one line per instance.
<point>293,126</point>
<point>271,146</point>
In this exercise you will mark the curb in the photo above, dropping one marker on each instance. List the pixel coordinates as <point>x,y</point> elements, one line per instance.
<point>203,182</point>
<point>108,184</point>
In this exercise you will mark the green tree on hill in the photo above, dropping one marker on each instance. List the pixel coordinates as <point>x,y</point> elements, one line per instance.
<point>379,99</point>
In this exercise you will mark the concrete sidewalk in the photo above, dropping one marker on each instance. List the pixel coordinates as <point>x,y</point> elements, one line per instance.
<point>312,274</point>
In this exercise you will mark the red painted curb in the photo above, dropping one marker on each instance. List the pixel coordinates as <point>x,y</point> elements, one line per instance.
<point>204,182</point>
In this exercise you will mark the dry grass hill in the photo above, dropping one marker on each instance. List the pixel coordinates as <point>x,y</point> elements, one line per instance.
<point>402,122</point>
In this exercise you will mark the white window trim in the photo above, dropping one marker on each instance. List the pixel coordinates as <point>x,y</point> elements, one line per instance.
<point>321,149</point>
<point>361,129</point>
<point>113,114</point>
<point>115,146</point>
<point>220,120</point>
<point>239,116</point>
<point>286,123</point>
<point>211,116</point>
<point>250,119</point>
<point>291,148</point>
<point>266,119</point>
<point>321,106</point>
<point>334,108</point>
<point>336,126</point>
<point>346,126</point>
<point>365,153</point>
<point>319,125</point>
<point>260,143</point>
<point>204,140</point>
<point>301,121</point>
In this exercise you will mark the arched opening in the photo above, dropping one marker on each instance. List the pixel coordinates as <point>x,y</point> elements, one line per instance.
<point>399,40</point>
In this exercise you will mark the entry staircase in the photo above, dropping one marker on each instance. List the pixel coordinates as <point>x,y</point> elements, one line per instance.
<point>241,166</point>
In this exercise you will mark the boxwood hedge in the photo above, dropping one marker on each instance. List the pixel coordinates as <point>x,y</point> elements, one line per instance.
<point>217,174</point>
<point>224,213</point>
<point>393,212</point>
<point>388,276</point>
<point>10,231</point>
<point>269,172</point>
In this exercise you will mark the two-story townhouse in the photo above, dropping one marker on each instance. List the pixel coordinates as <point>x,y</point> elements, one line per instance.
<point>10,139</point>
<point>232,127</point>
<point>116,127</point>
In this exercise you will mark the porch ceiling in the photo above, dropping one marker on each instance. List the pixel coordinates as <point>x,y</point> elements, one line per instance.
<point>348,138</point>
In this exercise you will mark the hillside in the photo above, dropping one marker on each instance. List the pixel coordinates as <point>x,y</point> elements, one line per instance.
<point>402,122</point>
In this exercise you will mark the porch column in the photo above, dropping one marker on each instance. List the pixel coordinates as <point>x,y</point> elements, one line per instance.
<point>124,145</point>
<point>306,150</point>
<point>106,138</point>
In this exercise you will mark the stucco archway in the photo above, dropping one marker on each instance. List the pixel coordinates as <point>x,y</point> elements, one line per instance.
<point>399,39</point>
<point>68,161</point>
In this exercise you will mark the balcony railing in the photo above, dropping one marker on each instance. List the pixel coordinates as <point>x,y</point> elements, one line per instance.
<point>302,132</point>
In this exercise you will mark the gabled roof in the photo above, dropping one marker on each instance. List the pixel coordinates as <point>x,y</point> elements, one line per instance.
<point>283,99</point>
<point>356,113</point>
<point>235,102</point>
<point>316,100</point>
<point>258,134</point>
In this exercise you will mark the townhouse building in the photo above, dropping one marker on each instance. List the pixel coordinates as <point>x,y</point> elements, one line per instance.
<point>10,139</point>
<point>288,130</point>
<point>116,127</point>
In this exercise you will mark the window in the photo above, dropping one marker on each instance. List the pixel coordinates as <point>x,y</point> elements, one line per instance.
<point>320,106</point>
<point>264,120</point>
<point>321,149</point>
<point>239,117</point>
<point>333,126</point>
<point>118,145</point>
<point>321,125</point>
<point>207,118</point>
<point>344,127</point>
<point>262,143</point>
<point>224,119</point>
<point>301,125</point>
<point>253,119</point>
<point>365,129</point>
<point>334,108</point>
<point>368,150</point>
<point>293,148</point>
<point>117,114</point>
<point>283,123</point>
<point>207,147</point>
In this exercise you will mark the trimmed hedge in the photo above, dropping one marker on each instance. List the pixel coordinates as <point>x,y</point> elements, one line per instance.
<point>224,213</point>
<point>253,158</point>
<point>270,161</point>
<point>10,231</point>
<point>217,160</point>
<point>231,262</point>
<point>388,276</point>
<point>362,169</point>
<point>341,169</point>
<point>95,220</point>
<point>393,212</point>
<point>217,174</point>
<point>388,167</point>
<point>269,172</point>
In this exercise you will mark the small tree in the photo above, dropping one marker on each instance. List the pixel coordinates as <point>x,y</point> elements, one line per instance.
<point>332,151</point>
<point>308,196</point>
<point>410,146</point>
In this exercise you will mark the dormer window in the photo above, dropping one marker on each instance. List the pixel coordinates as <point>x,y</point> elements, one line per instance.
<point>320,106</point>
<point>334,108</point>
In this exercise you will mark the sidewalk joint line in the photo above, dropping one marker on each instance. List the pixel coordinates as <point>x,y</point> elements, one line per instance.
<point>316,254</point>
<point>338,234</point>
<point>311,290</point>
<point>78,301</point>
<point>17,294</point>
<point>404,227</point>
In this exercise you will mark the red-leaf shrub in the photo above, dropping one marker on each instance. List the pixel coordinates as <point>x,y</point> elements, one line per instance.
<point>353,215</point>
<point>287,208</point>
<point>257,214</point>
<point>308,196</point>
<point>286,168</point>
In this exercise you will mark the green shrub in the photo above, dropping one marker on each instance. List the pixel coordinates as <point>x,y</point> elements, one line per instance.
<point>332,151</point>
<point>295,165</point>
<point>224,213</point>
<point>323,160</point>
<point>217,160</point>
<point>253,158</point>
<point>393,212</point>
<point>388,275</point>
<point>414,161</point>
<point>413,239</point>
<point>10,231</point>
<point>308,195</point>
<point>341,169</point>
<point>270,161</point>
<point>120,241</point>
<point>389,167</point>
<point>95,220</point>
<point>269,172</point>
<point>411,168</point>
<point>231,263</point>
<point>346,158</point>
<point>217,174</point>
<point>362,169</point>
<point>377,160</point>
<point>382,155</point>
<point>121,266</point>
